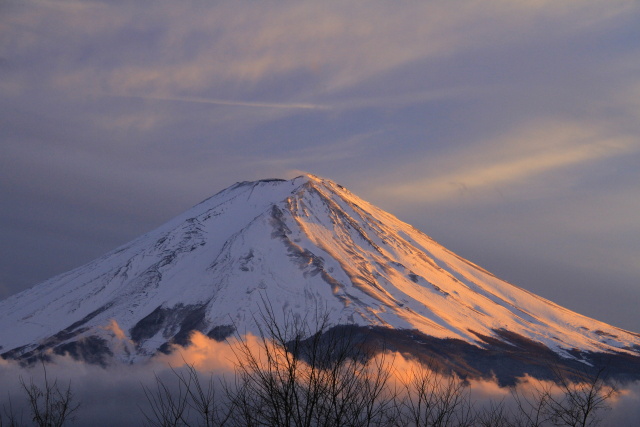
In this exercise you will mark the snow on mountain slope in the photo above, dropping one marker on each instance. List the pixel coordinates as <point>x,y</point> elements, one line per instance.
<point>302,243</point>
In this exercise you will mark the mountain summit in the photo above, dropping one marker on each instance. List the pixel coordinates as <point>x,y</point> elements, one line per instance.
<point>303,243</point>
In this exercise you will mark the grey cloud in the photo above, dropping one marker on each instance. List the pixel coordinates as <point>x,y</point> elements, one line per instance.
<point>114,395</point>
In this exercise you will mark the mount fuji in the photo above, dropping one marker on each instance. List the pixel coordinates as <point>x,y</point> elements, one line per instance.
<point>302,243</point>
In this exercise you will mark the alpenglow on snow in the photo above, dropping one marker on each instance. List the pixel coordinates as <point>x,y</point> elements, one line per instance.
<point>305,243</point>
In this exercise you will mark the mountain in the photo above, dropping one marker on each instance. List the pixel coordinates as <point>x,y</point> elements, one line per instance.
<point>303,243</point>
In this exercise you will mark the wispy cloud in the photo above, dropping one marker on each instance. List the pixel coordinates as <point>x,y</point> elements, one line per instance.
<point>334,45</point>
<point>514,159</point>
<point>231,103</point>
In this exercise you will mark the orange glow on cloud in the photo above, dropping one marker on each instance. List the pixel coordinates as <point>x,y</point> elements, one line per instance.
<point>516,157</point>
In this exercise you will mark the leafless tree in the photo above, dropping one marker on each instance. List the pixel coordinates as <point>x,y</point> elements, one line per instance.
<point>203,399</point>
<point>167,404</point>
<point>12,418</point>
<point>435,399</point>
<point>307,374</point>
<point>493,415</point>
<point>187,401</point>
<point>581,401</point>
<point>532,404</point>
<point>302,372</point>
<point>566,401</point>
<point>50,406</point>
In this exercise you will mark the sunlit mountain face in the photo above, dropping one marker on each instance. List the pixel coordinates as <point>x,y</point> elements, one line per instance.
<point>302,245</point>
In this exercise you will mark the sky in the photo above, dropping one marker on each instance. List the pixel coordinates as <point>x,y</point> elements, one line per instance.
<point>507,131</point>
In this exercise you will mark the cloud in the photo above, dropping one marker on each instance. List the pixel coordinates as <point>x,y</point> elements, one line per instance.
<point>207,354</point>
<point>170,51</point>
<point>114,395</point>
<point>519,157</point>
<point>231,103</point>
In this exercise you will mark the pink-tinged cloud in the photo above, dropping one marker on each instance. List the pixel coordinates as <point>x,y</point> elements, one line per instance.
<point>520,156</point>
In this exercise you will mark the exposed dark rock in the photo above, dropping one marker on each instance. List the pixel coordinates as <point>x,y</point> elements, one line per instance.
<point>271,180</point>
<point>86,318</point>
<point>221,332</point>
<point>165,348</point>
<point>193,320</point>
<point>507,357</point>
<point>14,353</point>
<point>149,325</point>
<point>90,349</point>
<point>29,354</point>
<point>176,323</point>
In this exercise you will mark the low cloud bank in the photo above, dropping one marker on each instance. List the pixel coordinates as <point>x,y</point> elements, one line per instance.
<point>115,395</point>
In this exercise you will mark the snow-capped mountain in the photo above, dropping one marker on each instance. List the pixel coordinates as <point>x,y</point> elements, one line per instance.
<point>302,243</point>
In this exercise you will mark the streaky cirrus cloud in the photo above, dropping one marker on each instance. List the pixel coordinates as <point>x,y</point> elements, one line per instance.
<point>231,103</point>
<point>170,50</point>
<point>520,156</point>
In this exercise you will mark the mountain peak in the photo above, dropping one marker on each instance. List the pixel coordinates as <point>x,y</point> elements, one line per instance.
<point>304,243</point>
